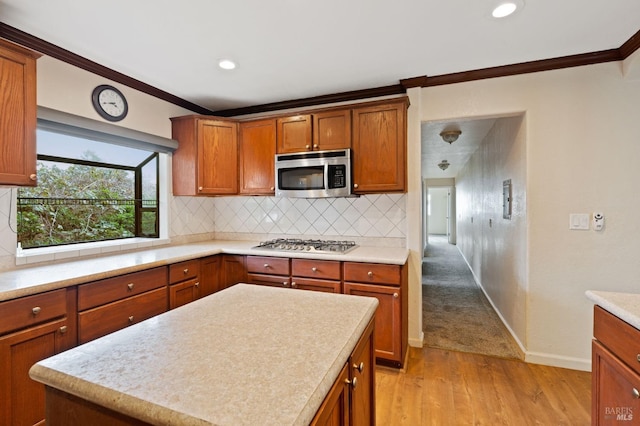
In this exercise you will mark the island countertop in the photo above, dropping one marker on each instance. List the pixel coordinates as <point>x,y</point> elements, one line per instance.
<point>246,355</point>
<point>37,279</point>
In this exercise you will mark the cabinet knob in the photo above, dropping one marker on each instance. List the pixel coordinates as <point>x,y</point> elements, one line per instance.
<point>355,185</point>
<point>199,188</point>
<point>315,146</point>
<point>353,382</point>
<point>370,274</point>
<point>359,367</point>
<point>130,286</point>
<point>636,393</point>
<point>131,318</point>
<point>197,284</point>
<point>35,311</point>
<point>272,188</point>
<point>395,295</point>
<point>266,265</point>
<point>314,269</point>
<point>63,329</point>
<point>285,283</point>
<point>293,284</point>
<point>33,176</point>
<point>307,146</point>
<point>186,271</point>
<point>638,357</point>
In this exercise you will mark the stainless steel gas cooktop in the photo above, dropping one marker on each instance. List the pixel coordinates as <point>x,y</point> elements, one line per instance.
<point>311,246</point>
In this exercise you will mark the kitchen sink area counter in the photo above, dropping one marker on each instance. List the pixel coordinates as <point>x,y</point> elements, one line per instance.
<point>245,355</point>
<point>30,280</point>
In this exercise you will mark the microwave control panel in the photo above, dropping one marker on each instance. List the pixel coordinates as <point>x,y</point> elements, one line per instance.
<point>337,176</point>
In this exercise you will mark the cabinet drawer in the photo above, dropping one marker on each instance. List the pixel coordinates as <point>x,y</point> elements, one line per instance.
<point>270,280</point>
<point>105,319</point>
<point>372,273</point>
<point>184,271</point>
<point>116,288</point>
<point>619,337</point>
<point>314,284</point>
<point>326,269</point>
<point>268,265</point>
<point>30,310</point>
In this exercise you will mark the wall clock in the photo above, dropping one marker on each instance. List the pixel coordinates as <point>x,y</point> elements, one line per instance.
<point>109,102</point>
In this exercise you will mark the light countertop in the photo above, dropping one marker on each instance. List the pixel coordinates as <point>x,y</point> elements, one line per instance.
<point>246,355</point>
<point>37,279</point>
<point>625,306</point>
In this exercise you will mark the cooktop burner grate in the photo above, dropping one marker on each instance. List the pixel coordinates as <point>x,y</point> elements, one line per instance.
<point>312,246</point>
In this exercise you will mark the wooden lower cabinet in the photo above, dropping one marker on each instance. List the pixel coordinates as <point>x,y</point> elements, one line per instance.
<point>615,371</point>
<point>22,400</point>
<point>184,283</point>
<point>210,275</point>
<point>233,270</point>
<point>334,410</point>
<point>270,271</point>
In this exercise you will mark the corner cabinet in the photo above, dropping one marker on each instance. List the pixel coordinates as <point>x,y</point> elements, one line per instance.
<point>379,143</point>
<point>616,370</point>
<point>206,161</point>
<point>18,106</point>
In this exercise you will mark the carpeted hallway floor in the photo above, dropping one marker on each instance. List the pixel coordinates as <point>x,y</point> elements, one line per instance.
<point>456,315</point>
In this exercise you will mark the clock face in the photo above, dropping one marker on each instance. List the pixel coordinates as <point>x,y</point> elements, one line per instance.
<point>109,102</point>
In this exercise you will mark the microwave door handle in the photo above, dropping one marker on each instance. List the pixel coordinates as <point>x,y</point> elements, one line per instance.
<point>326,177</point>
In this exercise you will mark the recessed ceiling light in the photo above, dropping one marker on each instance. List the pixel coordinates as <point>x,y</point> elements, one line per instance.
<point>505,9</point>
<point>227,64</point>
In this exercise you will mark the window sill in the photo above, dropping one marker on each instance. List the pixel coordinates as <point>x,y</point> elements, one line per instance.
<point>49,254</point>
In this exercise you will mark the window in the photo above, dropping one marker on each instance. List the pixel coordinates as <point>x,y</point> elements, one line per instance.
<point>88,191</point>
<point>96,182</point>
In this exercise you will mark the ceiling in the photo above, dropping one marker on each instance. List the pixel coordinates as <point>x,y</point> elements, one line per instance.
<point>294,49</point>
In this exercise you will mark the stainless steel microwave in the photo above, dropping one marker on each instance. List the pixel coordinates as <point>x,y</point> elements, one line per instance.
<point>314,174</point>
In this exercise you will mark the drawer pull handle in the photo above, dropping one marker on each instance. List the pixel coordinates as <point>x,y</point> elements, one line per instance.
<point>131,318</point>
<point>370,274</point>
<point>285,283</point>
<point>63,329</point>
<point>130,286</point>
<point>186,271</point>
<point>36,310</point>
<point>359,367</point>
<point>638,357</point>
<point>636,393</point>
<point>314,269</point>
<point>266,265</point>
<point>353,382</point>
<point>293,284</point>
<point>33,176</point>
<point>197,284</point>
<point>395,295</point>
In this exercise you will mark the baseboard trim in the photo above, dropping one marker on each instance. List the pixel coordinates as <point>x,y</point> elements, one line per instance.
<point>417,343</point>
<point>558,361</point>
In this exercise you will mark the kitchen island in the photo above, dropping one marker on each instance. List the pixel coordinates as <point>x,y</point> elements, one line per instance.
<point>245,355</point>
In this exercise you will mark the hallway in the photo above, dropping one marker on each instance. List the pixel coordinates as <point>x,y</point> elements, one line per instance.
<point>456,313</point>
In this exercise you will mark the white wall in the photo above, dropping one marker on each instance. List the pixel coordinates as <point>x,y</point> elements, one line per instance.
<point>495,247</point>
<point>582,154</point>
<point>438,207</point>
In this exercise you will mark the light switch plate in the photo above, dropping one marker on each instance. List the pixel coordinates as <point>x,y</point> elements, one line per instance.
<point>578,221</point>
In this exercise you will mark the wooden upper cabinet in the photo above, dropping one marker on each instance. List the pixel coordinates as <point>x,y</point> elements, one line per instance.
<point>379,148</point>
<point>206,161</point>
<point>294,134</point>
<point>18,113</point>
<point>257,157</point>
<point>332,130</point>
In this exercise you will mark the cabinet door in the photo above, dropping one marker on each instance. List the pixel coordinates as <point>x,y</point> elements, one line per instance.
<point>210,271</point>
<point>362,370</point>
<point>233,270</point>
<point>334,410</point>
<point>332,130</point>
<point>388,323</point>
<point>379,148</point>
<point>217,157</point>
<point>294,134</point>
<point>268,280</point>
<point>183,293</point>
<point>257,157</point>
<point>615,389</point>
<point>22,399</point>
<point>17,115</point>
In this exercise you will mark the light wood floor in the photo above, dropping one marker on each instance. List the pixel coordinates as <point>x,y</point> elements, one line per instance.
<point>439,387</point>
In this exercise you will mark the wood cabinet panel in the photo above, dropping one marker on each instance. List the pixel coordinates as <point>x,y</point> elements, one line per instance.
<point>379,148</point>
<point>618,336</point>
<point>314,284</point>
<point>18,108</point>
<point>311,268</point>
<point>374,273</point>
<point>210,275</point>
<point>269,265</point>
<point>270,280</point>
<point>111,289</point>
<point>616,389</point>
<point>334,410</point>
<point>362,369</point>
<point>184,271</point>
<point>257,157</point>
<point>184,292</point>
<point>294,134</point>
<point>332,129</point>
<point>97,322</point>
<point>388,323</point>
<point>31,310</point>
<point>234,270</point>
